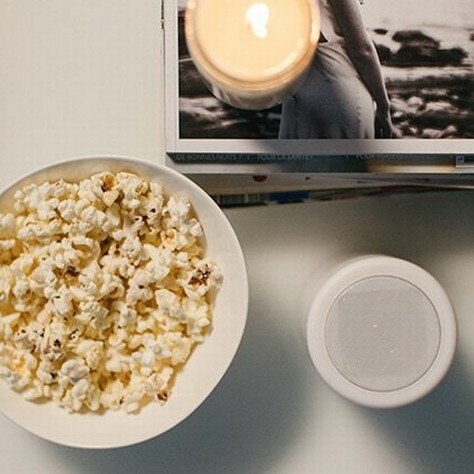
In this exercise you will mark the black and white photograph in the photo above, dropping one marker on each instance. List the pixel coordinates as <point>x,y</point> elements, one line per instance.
<point>416,83</point>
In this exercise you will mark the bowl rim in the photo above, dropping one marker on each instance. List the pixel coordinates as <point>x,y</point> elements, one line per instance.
<point>244,302</point>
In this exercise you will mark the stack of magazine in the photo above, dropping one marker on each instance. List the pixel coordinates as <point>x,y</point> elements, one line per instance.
<point>426,54</point>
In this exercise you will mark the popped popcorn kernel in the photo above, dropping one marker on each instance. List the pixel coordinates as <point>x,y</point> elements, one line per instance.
<point>104,292</point>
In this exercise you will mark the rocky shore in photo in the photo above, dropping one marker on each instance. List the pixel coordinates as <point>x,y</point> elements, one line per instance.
<point>416,49</point>
<point>430,86</point>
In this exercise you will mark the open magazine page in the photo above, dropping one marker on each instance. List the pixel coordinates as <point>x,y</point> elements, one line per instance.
<point>426,54</point>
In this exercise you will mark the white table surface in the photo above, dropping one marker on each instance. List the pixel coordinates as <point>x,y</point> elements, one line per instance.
<point>82,77</point>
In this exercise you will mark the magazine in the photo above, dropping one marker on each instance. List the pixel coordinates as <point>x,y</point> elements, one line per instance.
<point>426,55</point>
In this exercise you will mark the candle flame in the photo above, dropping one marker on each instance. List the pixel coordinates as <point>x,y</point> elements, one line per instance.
<point>258,16</point>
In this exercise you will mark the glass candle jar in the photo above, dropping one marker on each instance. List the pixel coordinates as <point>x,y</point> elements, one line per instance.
<point>252,53</point>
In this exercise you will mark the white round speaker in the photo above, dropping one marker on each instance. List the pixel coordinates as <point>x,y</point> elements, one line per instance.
<point>381,331</point>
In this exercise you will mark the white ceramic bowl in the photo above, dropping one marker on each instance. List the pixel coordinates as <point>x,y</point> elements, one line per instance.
<point>209,361</point>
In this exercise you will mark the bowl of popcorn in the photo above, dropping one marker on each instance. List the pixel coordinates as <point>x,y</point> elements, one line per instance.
<point>123,300</point>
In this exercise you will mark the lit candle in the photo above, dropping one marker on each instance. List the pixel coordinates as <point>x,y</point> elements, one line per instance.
<point>252,53</point>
